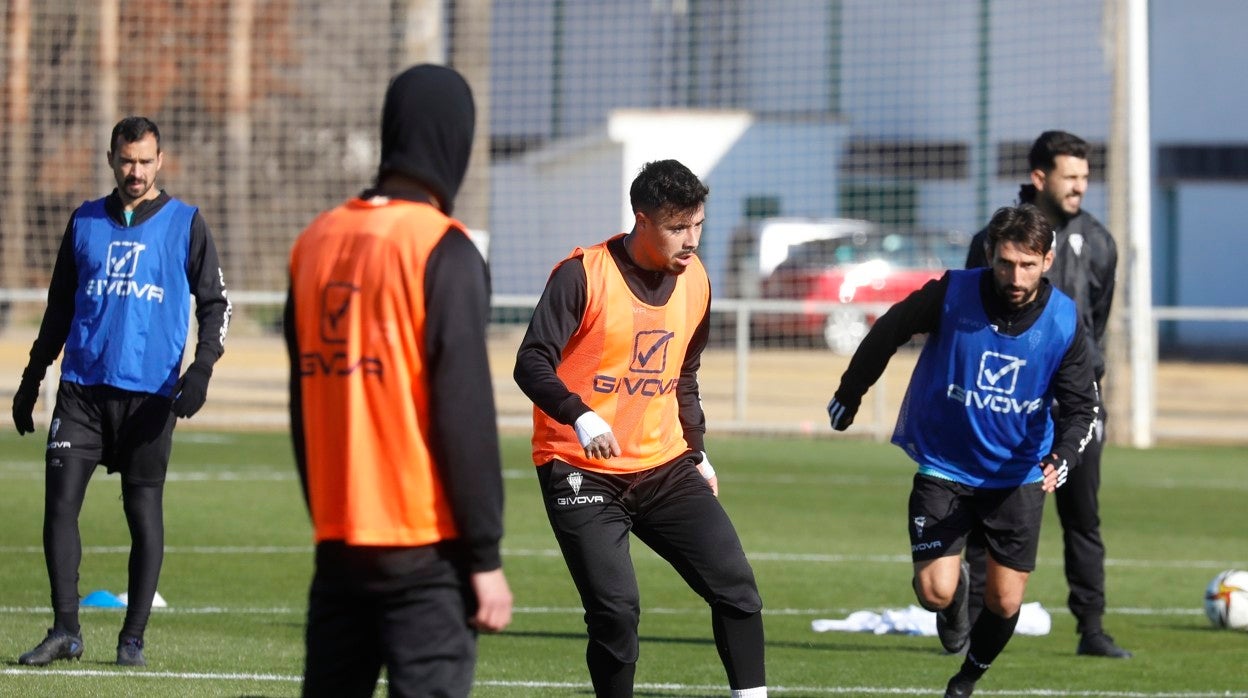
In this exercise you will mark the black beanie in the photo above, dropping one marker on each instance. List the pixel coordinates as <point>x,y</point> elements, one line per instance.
<point>427,125</point>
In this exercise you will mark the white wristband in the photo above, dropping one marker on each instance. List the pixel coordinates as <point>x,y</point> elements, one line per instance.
<point>707,470</point>
<point>589,426</point>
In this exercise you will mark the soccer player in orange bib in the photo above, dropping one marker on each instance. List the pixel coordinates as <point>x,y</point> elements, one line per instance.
<point>392,414</point>
<point>610,361</point>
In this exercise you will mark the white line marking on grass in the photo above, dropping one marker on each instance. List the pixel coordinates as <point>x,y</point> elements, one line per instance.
<point>199,437</point>
<point>35,472</point>
<point>232,476</point>
<point>905,559</point>
<point>1156,611</point>
<point>566,610</point>
<point>540,552</point>
<point>176,611</point>
<point>28,470</point>
<point>131,674</point>
<point>580,685</point>
<point>553,553</point>
<point>700,610</point>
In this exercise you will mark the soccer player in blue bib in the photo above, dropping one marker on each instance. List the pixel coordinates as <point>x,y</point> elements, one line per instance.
<point>1003,345</point>
<point>1085,259</point>
<point>119,304</point>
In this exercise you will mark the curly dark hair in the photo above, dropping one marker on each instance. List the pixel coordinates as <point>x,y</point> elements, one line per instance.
<point>665,185</point>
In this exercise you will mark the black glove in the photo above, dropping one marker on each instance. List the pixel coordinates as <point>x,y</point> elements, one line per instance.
<point>192,389</point>
<point>841,412</point>
<point>1059,464</point>
<point>24,406</point>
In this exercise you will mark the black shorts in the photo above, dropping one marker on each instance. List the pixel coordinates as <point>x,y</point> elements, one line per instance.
<point>127,432</point>
<point>672,510</point>
<point>406,609</point>
<point>943,513</point>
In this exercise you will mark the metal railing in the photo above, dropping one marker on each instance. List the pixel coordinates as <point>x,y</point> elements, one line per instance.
<point>749,386</point>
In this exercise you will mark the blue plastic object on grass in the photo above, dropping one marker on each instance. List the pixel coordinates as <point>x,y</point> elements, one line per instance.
<point>103,599</point>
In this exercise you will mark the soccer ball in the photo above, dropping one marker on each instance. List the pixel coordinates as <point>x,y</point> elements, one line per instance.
<point>1226,600</point>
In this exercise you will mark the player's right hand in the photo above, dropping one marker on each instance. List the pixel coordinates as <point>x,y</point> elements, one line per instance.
<point>596,437</point>
<point>493,601</point>
<point>840,414</point>
<point>24,407</point>
<point>1055,471</point>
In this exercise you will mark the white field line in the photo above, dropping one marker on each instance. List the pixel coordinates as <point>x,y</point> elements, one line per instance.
<point>817,558</point>
<point>31,470</point>
<point>562,610</point>
<point>582,686</point>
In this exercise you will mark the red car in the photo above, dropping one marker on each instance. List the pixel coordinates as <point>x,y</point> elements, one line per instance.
<point>861,274</point>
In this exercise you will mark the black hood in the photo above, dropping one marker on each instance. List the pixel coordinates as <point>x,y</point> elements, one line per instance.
<point>1027,194</point>
<point>426,129</point>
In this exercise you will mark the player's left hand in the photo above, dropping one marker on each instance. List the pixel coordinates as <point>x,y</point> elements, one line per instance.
<point>708,472</point>
<point>1055,472</point>
<point>192,390</point>
<point>493,601</point>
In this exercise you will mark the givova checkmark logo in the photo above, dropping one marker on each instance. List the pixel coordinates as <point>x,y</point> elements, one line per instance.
<point>998,373</point>
<point>123,258</point>
<point>336,299</point>
<point>650,351</point>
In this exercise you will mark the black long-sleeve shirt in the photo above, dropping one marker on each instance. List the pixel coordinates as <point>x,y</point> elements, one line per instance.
<point>558,315</point>
<point>203,271</point>
<point>463,434</point>
<point>1074,385</point>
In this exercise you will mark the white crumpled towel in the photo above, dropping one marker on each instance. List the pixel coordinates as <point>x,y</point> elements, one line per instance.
<point>914,620</point>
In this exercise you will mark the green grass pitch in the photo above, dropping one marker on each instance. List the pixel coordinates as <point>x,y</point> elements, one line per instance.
<point>823,522</point>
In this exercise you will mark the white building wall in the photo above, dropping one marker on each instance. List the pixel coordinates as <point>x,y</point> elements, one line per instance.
<point>576,192</point>
<point>546,204</point>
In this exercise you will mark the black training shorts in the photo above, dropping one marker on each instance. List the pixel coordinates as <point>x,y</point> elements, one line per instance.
<point>944,512</point>
<point>127,432</point>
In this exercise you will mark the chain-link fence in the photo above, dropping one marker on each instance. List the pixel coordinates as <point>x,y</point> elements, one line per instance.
<point>851,146</point>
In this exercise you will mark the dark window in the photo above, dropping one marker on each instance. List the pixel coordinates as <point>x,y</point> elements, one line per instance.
<point>1012,160</point>
<point>1222,162</point>
<point>507,147</point>
<point>761,206</point>
<point>906,159</point>
<point>887,204</point>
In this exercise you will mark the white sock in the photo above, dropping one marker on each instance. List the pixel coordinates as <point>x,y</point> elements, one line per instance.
<point>757,692</point>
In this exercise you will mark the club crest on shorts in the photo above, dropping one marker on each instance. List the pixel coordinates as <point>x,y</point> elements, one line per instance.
<point>574,481</point>
<point>919,523</point>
